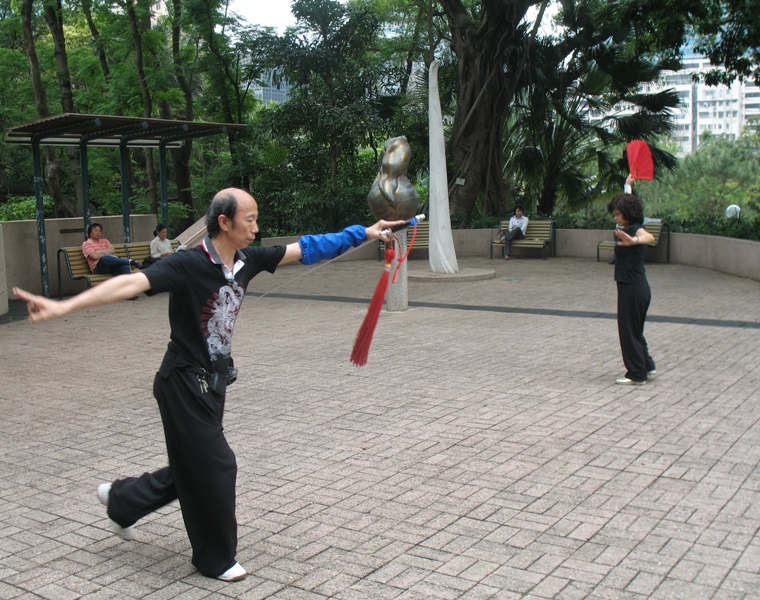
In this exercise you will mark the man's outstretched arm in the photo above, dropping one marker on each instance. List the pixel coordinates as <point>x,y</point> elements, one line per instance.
<point>295,252</point>
<point>113,290</point>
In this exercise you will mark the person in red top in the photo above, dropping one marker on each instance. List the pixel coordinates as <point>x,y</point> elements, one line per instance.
<point>99,253</point>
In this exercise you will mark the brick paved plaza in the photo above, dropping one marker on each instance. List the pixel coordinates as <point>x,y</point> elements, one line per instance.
<point>484,451</point>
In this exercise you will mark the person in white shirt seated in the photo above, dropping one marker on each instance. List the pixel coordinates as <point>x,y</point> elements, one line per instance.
<point>518,226</point>
<point>159,245</point>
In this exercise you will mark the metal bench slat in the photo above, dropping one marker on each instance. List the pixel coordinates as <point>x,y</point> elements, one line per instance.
<point>655,228</point>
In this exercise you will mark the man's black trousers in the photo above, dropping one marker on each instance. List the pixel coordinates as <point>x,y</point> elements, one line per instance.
<point>201,473</point>
<point>633,303</point>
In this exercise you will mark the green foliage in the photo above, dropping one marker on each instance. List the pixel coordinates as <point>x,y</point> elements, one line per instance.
<point>358,81</point>
<point>728,32</point>
<point>719,173</point>
<point>744,227</point>
<point>559,149</point>
<point>178,212</point>
<point>24,208</point>
<point>693,199</point>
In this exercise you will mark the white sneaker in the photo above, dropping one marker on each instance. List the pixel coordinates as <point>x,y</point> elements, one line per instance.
<point>651,374</point>
<point>235,573</point>
<point>125,533</point>
<point>626,381</point>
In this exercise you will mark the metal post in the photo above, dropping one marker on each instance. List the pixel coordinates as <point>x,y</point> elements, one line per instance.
<point>163,186</point>
<point>85,174</point>
<point>83,142</point>
<point>41,238</point>
<point>124,161</point>
<point>37,166</point>
<point>162,163</point>
<point>124,168</point>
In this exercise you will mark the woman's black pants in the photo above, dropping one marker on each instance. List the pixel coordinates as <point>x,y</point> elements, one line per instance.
<point>201,473</point>
<point>633,303</point>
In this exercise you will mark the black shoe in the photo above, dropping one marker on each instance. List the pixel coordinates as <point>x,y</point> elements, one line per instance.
<point>136,263</point>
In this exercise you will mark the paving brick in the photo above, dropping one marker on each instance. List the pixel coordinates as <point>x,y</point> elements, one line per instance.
<point>452,466</point>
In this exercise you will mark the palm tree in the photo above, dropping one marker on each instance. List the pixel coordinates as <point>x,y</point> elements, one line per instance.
<point>568,126</point>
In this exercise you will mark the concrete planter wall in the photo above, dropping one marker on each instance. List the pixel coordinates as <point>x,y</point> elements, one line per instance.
<point>20,265</point>
<point>727,255</point>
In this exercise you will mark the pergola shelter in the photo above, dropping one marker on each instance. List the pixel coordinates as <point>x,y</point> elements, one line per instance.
<point>107,131</point>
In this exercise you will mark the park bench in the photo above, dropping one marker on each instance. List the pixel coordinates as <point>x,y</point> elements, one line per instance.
<point>653,227</point>
<point>421,241</point>
<point>537,235</point>
<point>78,268</point>
<point>141,250</point>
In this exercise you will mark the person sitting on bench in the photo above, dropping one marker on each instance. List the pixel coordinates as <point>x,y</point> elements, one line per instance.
<point>100,254</point>
<point>518,226</point>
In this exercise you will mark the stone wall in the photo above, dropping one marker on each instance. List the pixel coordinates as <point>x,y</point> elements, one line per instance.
<point>20,264</point>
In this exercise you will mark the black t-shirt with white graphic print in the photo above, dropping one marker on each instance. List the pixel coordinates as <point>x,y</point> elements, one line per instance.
<point>204,304</point>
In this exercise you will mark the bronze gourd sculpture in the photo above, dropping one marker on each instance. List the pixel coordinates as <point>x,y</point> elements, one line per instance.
<point>392,196</point>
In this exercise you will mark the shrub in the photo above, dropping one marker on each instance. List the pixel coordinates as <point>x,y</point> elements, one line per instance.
<point>24,208</point>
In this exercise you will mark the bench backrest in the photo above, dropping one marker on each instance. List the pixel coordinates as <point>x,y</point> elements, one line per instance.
<point>141,250</point>
<point>138,250</point>
<point>422,240</point>
<point>76,262</point>
<point>655,228</point>
<point>536,230</point>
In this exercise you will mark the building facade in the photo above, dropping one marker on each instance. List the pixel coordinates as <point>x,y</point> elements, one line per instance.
<point>722,110</point>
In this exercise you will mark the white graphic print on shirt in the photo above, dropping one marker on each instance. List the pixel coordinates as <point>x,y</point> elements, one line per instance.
<point>219,319</point>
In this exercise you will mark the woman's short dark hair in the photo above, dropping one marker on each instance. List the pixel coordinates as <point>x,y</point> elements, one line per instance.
<point>629,206</point>
<point>522,210</point>
<point>93,226</point>
<point>226,205</point>
<point>159,227</point>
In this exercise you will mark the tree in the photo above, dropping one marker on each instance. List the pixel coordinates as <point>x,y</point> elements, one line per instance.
<point>53,169</point>
<point>487,41</point>
<point>330,115</point>
<point>719,173</point>
<point>728,32</point>
<point>492,42</point>
<point>564,138</point>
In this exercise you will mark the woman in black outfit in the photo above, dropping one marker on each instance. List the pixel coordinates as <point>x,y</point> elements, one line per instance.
<point>634,294</point>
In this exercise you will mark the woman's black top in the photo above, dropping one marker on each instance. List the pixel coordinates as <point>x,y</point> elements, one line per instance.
<point>629,260</point>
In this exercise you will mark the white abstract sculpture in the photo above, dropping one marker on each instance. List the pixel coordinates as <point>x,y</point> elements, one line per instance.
<point>443,258</point>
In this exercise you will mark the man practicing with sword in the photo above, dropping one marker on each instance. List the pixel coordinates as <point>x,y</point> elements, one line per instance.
<point>207,285</point>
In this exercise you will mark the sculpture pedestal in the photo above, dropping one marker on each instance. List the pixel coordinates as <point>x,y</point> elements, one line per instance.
<point>397,297</point>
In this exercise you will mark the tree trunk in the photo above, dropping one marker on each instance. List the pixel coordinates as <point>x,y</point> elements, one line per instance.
<point>486,70</point>
<point>54,18</point>
<point>181,155</point>
<point>134,27</point>
<point>52,168</point>
<point>227,81</point>
<point>87,8</point>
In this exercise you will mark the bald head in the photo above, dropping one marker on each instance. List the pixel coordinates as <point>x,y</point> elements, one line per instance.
<point>225,203</point>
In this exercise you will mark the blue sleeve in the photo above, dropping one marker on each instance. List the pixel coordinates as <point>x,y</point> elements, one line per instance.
<point>330,245</point>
